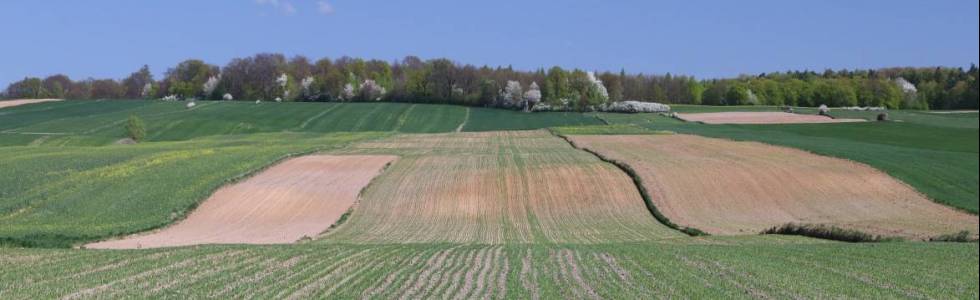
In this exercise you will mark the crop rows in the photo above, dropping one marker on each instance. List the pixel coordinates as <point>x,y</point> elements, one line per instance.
<point>765,268</point>
<point>496,187</point>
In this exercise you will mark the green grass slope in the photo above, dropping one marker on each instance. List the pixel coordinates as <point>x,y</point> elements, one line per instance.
<point>100,122</point>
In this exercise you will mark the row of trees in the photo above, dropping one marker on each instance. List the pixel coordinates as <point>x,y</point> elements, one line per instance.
<point>270,76</point>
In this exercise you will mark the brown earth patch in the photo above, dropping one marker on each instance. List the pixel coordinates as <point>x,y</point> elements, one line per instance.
<point>767,117</point>
<point>494,188</point>
<point>12,103</point>
<point>297,198</point>
<point>729,188</point>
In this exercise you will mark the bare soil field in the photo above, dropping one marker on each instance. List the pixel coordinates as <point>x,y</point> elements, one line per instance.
<point>496,187</point>
<point>12,103</point>
<point>767,117</point>
<point>300,197</point>
<point>730,188</point>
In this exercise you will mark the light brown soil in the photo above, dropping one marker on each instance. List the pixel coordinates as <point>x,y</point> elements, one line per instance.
<point>12,103</point>
<point>727,188</point>
<point>298,198</point>
<point>497,187</point>
<point>769,117</point>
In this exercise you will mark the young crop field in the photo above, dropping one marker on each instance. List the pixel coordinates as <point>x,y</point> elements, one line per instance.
<point>101,121</point>
<point>90,123</point>
<point>488,119</point>
<point>493,188</point>
<point>762,117</point>
<point>770,267</point>
<point>726,187</point>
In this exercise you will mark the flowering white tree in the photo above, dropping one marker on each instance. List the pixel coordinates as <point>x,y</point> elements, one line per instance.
<point>823,110</point>
<point>210,85</point>
<point>513,93</point>
<point>147,90</point>
<point>282,81</point>
<point>532,96</point>
<point>600,94</point>
<point>305,85</point>
<point>370,90</point>
<point>348,92</point>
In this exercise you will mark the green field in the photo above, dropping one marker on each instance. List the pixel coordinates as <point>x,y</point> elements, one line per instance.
<point>773,267</point>
<point>63,182</point>
<point>93,123</point>
<point>488,119</point>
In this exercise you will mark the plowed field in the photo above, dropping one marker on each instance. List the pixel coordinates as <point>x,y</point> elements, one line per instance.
<point>726,187</point>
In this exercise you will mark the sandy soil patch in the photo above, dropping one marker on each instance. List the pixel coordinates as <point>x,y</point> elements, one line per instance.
<point>769,117</point>
<point>12,103</point>
<point>728,188</point>
<point>298,198</point>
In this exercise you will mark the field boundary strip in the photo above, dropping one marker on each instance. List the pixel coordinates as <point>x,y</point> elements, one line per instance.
<point>638,183</point>
<point>465,119</point>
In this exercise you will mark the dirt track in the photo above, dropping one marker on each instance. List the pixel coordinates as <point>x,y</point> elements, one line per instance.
<point>770,117</point>
<point>298,198</point>
<point>12,103</point>
<point>726,187</point>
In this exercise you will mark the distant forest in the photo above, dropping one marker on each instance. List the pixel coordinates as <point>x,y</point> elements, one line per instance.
<point>270,76</point>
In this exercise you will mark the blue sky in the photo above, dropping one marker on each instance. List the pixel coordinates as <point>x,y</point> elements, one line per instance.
<point>702,38</point>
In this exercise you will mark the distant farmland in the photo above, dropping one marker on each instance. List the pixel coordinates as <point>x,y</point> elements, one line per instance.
<point>488,212</point>
<point>99,122</point>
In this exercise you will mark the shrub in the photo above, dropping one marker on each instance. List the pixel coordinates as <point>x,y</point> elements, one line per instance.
<point>135,129</point>
<point>883,117</point>
<point>960,237</point>
<point>828,232</point>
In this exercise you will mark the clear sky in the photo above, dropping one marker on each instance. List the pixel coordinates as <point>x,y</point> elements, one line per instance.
<point>702,38</point>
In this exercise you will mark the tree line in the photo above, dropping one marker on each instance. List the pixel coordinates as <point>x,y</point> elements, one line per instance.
<point>271,76</point>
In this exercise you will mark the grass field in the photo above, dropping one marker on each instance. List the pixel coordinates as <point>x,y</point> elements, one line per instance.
<point>93,123</point>
<point>459,215</point>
